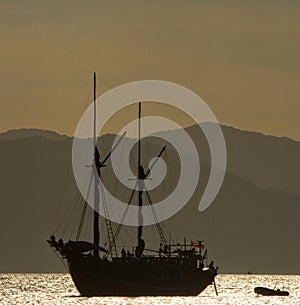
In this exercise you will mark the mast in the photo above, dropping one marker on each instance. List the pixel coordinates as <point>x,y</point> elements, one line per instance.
<point>96,175</point>
<point>141,177</point>
<point>95,96</point>
<point>139,137</point>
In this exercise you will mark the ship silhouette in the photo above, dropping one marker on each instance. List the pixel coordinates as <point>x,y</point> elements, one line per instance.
<point>173,269</point>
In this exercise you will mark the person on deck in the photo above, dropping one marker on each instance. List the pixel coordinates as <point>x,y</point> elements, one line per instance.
<point>123,252</point>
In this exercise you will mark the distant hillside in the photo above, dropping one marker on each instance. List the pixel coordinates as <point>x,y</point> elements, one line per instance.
<point>267,161</point>
<point>14,134</point>
<point>252,225</point>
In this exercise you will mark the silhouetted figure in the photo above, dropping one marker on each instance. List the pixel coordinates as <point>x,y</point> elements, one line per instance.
<point>52,242</point>
<point>123,253</point>
<point>128,254</point>
<point>211,265</point>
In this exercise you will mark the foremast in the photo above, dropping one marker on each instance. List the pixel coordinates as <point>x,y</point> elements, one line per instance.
<point>96,172</point>
<point>99,189</point>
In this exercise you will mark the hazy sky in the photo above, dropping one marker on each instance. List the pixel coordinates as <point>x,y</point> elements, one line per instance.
<point>242,57</point>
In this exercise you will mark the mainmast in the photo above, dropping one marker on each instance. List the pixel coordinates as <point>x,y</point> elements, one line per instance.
<point>141,176</point>
<point>96,175</point>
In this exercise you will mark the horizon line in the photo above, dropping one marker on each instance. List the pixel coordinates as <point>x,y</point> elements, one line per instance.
<point>58,133</point>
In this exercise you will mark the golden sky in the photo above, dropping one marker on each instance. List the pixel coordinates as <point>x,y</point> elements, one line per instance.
<point>241,57</point>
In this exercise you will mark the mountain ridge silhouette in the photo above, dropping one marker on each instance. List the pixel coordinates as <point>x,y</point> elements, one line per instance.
<point>249,227</point>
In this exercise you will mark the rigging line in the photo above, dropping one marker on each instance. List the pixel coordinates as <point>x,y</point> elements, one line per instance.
<point>84,211</point>
<point>89,95</point>
<point>122,239</point>
<point>161,234</point>
<point>109,230</point>
<point>155,236</point>
<point>65,218</point>
<point>84,233</point>
<point>73,203</point>
<point>134,158</point>
<point>70,216</point>
<point>91,216</point>
<point>66,214</point>
<point>171,171</point>
<point>61,198</point>
<point>75,225</point>
<point>146,141</point>
<point>119,226</point>
<point>130,200</point>
<point>111,239</point>
<point>81,221</point>
<point>170,182</point>
<point>88,221</point>
<point>107,158</point>
<point>53,229</point>
<point>113,88</point>
<point>115,188</point>
<point>155,161</point>
<point>59,257</point>
<point>110,189</point>
<point>113,148</point>
<point>128,236</point>
<point>68,224</point>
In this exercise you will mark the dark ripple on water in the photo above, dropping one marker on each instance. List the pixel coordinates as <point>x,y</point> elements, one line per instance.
<point>50,289</point>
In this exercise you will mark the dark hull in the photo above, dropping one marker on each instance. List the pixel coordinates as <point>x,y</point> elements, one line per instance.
<point>270,292</point>
<point>137,277</point>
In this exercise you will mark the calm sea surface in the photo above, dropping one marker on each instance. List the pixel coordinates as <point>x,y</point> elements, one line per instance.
<point>59,289</point>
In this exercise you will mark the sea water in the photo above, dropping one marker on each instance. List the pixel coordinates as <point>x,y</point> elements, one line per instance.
<point>233,289</point>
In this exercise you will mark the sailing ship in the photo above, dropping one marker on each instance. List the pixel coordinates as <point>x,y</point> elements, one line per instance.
<point>175,269</point>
